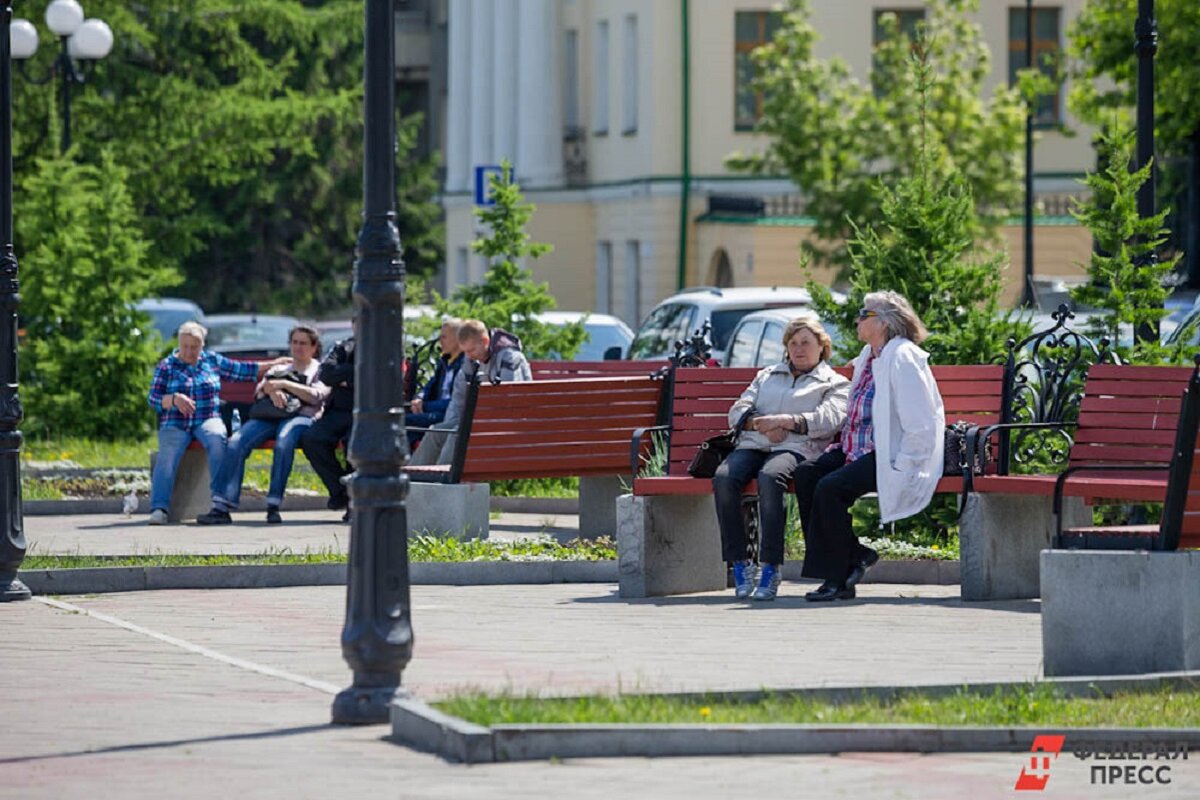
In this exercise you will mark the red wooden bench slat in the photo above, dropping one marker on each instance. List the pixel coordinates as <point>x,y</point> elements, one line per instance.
<point>550,370</point>
<point>1135,387</point>
<point>1107,436</point>
<point>1125,405</point>
<point>1120,372</point>
<point>1115,454</point>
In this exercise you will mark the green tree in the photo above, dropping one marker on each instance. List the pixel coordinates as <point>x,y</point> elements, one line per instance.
<point>1121,281</point>
<point>86,355</point>
<point>239,125</point>
<point>836,136</point>
<point>924,245</point>
<point>509,297</point>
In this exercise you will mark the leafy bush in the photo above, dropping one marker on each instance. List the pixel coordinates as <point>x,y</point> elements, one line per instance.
<point>87,355</point>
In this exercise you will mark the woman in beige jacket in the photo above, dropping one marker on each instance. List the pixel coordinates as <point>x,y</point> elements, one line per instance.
<point>795,409</point>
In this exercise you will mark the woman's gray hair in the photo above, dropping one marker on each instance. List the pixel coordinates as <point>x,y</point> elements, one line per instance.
<point>193,328</point>
<point>897,316</point>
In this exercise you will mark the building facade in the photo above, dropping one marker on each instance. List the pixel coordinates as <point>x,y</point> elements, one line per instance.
<point>586,99</point>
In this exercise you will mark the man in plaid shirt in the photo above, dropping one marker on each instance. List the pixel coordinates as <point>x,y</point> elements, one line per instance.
<point>185,392</point>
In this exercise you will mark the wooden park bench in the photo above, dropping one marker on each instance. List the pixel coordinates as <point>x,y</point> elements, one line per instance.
<point>561,370</point>
<point>1126,425</point>
<point>668,539</point>
<point>537,429</point>
<point>1122,599</point>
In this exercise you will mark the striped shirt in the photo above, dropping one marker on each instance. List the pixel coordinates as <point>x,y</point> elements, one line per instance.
<point>858,434</point>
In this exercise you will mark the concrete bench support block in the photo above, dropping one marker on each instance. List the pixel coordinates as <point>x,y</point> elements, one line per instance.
<point>1000,537</point>
<point>460,509</point>
<point>1120,612</point>
<point>598,505</point>
<point>191,495</point>
<point>668,545</point>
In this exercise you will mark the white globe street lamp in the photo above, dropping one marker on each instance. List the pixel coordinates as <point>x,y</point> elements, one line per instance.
<point>81,40</point>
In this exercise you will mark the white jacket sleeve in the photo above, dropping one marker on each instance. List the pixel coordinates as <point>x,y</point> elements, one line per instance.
<point>916,401</point>
<point>749,397</point>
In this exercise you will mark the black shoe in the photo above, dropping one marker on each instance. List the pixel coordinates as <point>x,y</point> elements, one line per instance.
<point>273,517</point>
<point>337,503</point>
<point>830,591</point>
<point>215,517</point>
<point>346,516</point>
<point>867,558</point>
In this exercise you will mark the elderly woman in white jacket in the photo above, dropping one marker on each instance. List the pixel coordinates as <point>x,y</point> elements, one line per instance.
<point>795,409</point>
<point>891,444</point>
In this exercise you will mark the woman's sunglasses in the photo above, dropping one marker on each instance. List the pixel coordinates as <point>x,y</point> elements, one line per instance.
<point>864,313</point>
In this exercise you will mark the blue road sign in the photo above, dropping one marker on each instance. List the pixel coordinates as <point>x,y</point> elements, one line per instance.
<point>483,173</point>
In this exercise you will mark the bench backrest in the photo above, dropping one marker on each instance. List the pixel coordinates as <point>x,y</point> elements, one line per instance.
<point>703,396</point>
<point>558,370</point>
<point>1129,415</point>
<point>551,428</point>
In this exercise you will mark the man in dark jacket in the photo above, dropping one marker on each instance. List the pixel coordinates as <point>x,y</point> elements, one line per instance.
<point>429,406</point>
<point>321,440</point>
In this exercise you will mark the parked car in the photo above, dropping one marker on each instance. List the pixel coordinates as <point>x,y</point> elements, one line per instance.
<point>168,313</point>
<point>678,316</point>
<point>608,337</point>
<point>758,338</point>
<point>249,336</point>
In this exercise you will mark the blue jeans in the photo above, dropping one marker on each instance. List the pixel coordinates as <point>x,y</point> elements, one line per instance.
<point>171,444</point>
<point>286,432</point>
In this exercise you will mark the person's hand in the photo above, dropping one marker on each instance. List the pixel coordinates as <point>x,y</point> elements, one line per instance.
<point>416,405</point>
<point>278,398</point>
<point>184,404</point>
<point>279,362</point>
<point>772,422</point>
<point>776,435</point>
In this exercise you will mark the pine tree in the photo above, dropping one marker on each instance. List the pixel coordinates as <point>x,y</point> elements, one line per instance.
<point>1123,280</point>
<point>509,297</point>
<point>86,354</point>
<point>924,247</point>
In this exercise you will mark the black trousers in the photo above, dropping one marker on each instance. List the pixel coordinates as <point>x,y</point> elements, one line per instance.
<point>320,443</point>
<point>826,487</point>
<point>773,470</point>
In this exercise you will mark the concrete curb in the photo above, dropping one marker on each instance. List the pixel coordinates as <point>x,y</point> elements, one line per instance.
<point>422,727</point>
<point>112,505</point>
<point>100,580</point>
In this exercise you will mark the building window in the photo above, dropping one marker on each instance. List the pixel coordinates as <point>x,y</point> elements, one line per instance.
<point>633,278</point>
<point>600,112</point>
<point>629,78</point>
<point>571,80</point>
<point>751,29</point>
<point>908,19</point>
<point>604,277</point>
<point>1046,48</point>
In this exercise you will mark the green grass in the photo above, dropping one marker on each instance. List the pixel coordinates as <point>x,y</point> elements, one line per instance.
<point>1029,705</point>
<point>420,549</point>
<point>90,453</point>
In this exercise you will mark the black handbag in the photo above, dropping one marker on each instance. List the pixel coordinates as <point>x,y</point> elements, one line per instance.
<point>264,409</point>
<point>714,449</point>
<point>956,459</point>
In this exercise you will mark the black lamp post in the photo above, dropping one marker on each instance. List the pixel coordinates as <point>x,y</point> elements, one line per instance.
<point>1027,296</point>
<point>377,635</point>
<point>12,538</point>
<point>80,41</point>
<point>1146,45</point>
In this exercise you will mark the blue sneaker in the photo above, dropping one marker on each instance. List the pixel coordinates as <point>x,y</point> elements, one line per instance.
<point>743,579</point>
<point>768,582</point>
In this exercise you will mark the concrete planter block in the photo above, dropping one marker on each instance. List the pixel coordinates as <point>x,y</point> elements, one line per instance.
<point>1000,537</point>
<point>598,505</point>
<point>460,509</point>
<point>668,545</point>
<point>191,495</point>
<point>1120,612</point>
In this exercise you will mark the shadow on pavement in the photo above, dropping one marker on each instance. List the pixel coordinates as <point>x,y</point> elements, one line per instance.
<point>125,748</point>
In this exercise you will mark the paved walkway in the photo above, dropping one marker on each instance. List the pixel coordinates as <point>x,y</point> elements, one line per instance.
<point>181,694</point>
<point>312,531</point>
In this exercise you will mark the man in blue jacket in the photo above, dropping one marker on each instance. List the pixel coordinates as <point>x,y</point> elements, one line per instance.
<point>429,406</point>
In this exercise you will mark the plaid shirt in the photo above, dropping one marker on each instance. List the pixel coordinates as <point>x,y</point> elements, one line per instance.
<point>858,434</point>
<point>201,382</point>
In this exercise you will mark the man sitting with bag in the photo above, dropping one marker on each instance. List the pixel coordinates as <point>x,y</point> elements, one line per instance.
<point>286,402</point>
